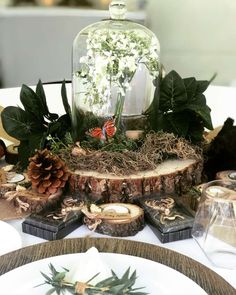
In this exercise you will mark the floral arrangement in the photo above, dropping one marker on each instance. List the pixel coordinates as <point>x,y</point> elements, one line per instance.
<point>182,111</point>
<point>111,62</point>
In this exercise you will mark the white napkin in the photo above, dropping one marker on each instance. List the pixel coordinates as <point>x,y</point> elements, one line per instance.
<point>88,265</point>
<point>10,238</point>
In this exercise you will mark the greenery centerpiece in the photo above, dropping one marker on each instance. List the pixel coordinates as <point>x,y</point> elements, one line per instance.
<point>112,285</point>
<point>114,65</point>
<point>182,111</point>
<point>175,127</point>
<point>127,119</point>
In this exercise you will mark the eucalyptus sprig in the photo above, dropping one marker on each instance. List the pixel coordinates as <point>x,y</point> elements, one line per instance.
<point>33,124</point>
<point>110,286</point>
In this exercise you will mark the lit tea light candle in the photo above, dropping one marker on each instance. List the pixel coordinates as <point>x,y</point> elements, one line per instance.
<point>216,191</point>
<point>134,134</point>
<point>232,175</point>
<point>221,192</point>
<point>117,208</point>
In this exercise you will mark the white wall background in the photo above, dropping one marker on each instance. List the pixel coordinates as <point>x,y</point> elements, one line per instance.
<point>36,43</point>
<point>198,37</point>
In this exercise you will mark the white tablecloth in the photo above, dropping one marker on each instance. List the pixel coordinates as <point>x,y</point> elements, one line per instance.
<point>222,101</point>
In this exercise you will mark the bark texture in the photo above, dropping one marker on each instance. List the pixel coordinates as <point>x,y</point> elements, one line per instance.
<point>122,227</point>
<point>172,176</point>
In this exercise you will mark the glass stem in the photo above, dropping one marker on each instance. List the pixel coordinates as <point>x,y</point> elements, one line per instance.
<point>119,109</point>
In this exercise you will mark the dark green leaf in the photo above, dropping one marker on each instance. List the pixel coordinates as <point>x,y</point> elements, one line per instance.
<point>212,78</point>
<point>126,274</point>
<point>202,86</point>
<point>173,93</point>
<point>178,123</point>
<point>199,106</point>
<point>16,122</point>
<point>54,128</point>
<point>41,95</point>
<point>31,102</point>
<point>153,112</point>
<point>27,147</point>
<point>191,86</point>
<point>93,278</point>
<point>24,151</point>
<point>195,130</point>
<point>52,269</point>
<point>60,127</point>
<point>46,277</point>
<point>105,282</point>
<point>64,98</point>
<point>114,274</point>
<point>195,134</point>
<point>53,117</point>
<point>133,276</point>
<point>116,290</point>
<point>204,114</point>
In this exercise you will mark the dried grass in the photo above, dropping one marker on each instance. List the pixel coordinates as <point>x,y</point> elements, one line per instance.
<point>156,148</point>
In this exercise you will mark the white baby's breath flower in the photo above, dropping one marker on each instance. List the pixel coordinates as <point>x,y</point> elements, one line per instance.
<point>112,59</point>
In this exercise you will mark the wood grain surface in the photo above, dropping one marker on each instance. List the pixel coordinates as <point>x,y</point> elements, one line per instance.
<point>211,282</point>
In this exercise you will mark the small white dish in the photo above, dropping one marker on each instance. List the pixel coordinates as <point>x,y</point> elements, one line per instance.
<point>10,238</point>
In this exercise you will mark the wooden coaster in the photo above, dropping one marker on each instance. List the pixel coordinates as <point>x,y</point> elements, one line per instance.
<point>117,222</point>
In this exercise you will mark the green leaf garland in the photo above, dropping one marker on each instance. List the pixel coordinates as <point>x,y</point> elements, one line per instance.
<point>112,285</point>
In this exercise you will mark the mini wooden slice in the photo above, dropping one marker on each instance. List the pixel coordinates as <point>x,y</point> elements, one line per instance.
<point>226,175</point>
<point>118,227</point>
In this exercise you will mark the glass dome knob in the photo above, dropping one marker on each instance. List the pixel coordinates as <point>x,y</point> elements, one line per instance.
<point>117,9</point>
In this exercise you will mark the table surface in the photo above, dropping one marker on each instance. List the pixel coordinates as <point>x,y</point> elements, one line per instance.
<point>203,276</point>
<point>222,101</point>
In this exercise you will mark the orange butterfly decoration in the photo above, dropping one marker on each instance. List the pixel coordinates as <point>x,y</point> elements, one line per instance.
<point>107,131</point>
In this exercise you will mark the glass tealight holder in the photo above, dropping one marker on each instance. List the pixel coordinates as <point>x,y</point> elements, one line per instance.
<point>214,227</point>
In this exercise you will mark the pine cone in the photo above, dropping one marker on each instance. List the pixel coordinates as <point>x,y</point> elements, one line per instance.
<point>47,172</point>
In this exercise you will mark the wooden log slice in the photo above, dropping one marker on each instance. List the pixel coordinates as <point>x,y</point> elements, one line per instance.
<point>30,201</point>
<point>226,175</point>
<point>6,187</point>
<point>172,176</point>
<point>118,226</point>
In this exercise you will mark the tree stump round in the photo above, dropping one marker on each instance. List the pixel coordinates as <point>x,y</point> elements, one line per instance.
<point>170,177</point>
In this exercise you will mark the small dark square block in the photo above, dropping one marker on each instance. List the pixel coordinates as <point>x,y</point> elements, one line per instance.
<point>44,226</point>
<point>169,226</point>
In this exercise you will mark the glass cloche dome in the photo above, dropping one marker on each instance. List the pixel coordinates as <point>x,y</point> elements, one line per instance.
<point>115,62</point>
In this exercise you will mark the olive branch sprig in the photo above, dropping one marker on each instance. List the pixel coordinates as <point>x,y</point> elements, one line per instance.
<point>113,285</point>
